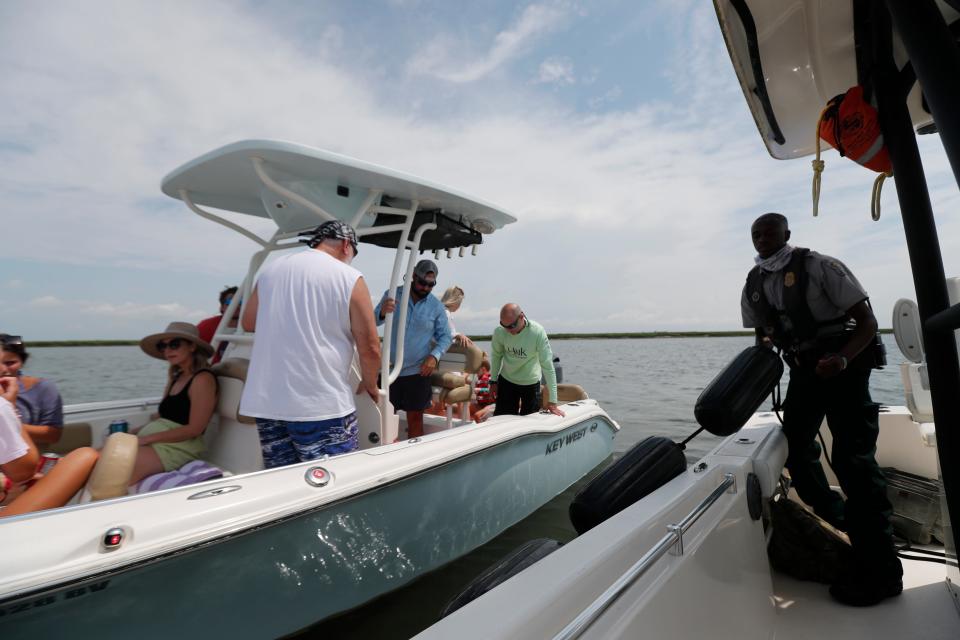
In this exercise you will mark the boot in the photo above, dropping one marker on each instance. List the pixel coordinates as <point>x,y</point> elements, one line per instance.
<point>868,582</point>
<point>865,591</point>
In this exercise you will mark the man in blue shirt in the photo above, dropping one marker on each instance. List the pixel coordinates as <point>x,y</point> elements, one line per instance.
<point>426,338</point>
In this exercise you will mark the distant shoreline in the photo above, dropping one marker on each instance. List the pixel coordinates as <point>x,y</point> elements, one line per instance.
<point>642,335</point>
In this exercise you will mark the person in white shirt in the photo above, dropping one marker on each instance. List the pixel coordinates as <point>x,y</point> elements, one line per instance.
<point>309,310</point>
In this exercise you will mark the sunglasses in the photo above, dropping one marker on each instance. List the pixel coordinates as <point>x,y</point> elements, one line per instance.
<point>513,325</point>
<point>429,284</point>
<point>227,301</point>
<point>11,341</point>
<point>172,344</point>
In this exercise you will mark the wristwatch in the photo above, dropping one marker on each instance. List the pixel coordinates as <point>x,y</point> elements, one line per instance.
<point>843,362</point>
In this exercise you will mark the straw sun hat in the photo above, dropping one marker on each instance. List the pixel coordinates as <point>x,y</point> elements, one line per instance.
<point>182,330</point>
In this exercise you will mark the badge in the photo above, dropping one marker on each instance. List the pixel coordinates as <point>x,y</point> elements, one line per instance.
<point>789,279</point>
<point>755,296</point>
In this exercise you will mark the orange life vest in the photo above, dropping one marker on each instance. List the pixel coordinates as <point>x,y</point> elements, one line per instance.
<point>851,125</point>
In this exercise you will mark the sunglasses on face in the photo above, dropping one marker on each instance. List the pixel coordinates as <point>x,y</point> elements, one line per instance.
<point>7,340</point>
<point>172,344</point>
<point>513,325</point>
<point>227,301</point>
<point>429,284</point>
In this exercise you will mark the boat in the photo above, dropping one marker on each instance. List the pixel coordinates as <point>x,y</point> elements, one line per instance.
<point>690,558</point>
<point>265,553</point>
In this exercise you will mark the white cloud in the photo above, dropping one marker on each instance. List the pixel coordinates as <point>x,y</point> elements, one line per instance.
<point>476,316</point>
<point>611,95</point>
<point>630,220</point>
<point>438,59</point>
<point>162,312</point>
<point>45,302</point>
<point>556,70</point>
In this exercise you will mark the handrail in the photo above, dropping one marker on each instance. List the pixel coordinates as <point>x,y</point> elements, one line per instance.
<point>391,289</point>
<point>413,245</point>
<point>674,539</point>
<point>185,196</point>
<point>108,405</point>
<point>372,196</point>
<point>946,320</point>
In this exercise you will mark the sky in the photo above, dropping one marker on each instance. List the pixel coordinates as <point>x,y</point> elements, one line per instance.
<point>615,132</point>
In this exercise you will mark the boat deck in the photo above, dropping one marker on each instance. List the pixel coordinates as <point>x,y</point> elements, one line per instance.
<point>925,609</point>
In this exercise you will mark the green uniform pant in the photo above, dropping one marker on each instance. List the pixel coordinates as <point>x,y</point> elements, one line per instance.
<point>853,419</point>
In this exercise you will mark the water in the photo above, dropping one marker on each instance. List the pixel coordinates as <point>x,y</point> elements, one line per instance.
<point>649,386</point>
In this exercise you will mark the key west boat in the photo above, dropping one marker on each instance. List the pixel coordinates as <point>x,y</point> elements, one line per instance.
<point>264,553</point>
<point>690,559</point>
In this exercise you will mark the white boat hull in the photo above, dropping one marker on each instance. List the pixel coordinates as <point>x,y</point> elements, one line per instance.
<point>269,577</point>
<point>720,577</point>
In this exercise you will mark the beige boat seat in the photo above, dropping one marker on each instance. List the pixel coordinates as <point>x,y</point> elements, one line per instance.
<point>565,393</point>
<point>233,443</point>
<point>454,377</point>
<point>111,475</point>
<point>459,359</point>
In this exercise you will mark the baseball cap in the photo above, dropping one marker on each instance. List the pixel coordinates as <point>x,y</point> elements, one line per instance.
<point>424,267</point>
<point>331,229</point>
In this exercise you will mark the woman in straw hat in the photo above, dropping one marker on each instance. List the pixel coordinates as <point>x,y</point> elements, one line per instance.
<point>452,299</point>
<point>176,437</point>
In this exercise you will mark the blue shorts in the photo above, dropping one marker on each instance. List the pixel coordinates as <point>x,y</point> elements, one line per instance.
<point>284,442</point>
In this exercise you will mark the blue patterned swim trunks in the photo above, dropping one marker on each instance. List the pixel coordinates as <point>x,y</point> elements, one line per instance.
<point>284,442</point>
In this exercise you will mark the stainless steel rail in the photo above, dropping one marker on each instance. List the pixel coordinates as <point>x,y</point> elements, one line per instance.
<point>72,410</point>
<point>673,540</point>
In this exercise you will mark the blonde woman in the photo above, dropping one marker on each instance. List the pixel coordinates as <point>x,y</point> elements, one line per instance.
<point>190,397</point>
<point>452,299</point>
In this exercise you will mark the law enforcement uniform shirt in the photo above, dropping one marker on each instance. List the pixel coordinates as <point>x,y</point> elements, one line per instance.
<point>831,290</point>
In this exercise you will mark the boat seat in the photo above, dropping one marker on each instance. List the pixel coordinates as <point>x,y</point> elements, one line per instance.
<point>913,372</point>
<point>227,371</point>
<point>73,436</point>
<point>455,376</point>
<point>231,438</point>
<point>458,359</point>
<point>111,475</point>
<point>909,335</point>
<point>565,393</point>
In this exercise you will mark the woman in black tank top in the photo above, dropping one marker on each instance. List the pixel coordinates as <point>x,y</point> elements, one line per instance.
<point>176,406</point>
<point>190,398</point>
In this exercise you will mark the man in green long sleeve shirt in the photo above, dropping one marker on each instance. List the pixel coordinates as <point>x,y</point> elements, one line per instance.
<point>520,356</point>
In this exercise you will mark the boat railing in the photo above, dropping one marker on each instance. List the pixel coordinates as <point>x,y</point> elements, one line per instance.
<point>141,404</point>
<point>671,543</point>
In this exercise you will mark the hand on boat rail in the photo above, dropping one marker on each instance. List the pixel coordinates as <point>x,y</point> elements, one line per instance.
<point>554,409</point>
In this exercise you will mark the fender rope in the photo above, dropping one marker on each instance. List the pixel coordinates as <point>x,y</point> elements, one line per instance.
<point>818,166</point>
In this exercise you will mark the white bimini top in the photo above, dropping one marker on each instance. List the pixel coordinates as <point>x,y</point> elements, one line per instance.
<point>299,368</point>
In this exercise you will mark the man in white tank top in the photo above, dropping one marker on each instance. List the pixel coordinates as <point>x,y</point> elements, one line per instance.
<point>309,310</point>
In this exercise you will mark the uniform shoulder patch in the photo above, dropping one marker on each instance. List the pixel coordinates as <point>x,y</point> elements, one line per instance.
<point>837,267</point>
